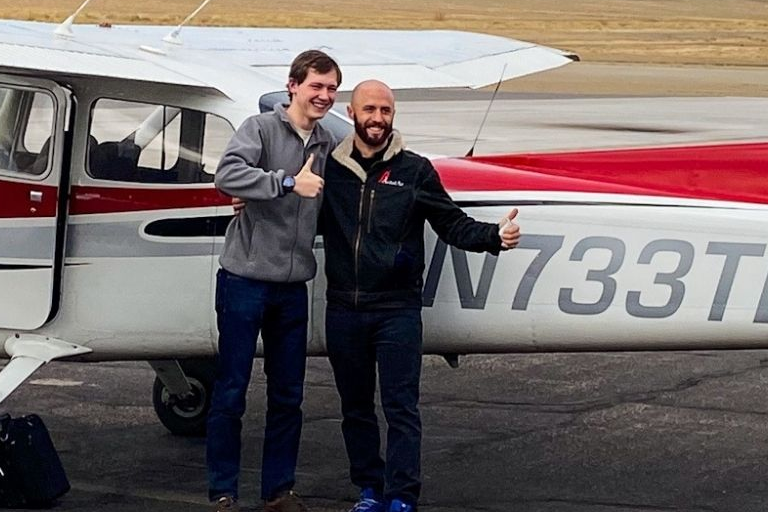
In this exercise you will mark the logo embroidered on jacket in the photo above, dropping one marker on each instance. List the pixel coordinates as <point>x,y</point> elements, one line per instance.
<point>384,179</point>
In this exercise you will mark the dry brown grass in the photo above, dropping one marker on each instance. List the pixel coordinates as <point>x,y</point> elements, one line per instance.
<point>720,32</point>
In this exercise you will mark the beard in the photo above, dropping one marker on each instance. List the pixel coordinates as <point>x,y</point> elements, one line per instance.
<point>373,140</point>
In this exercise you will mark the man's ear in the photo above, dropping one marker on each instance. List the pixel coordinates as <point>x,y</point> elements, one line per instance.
<point>350,112</point>
<point>292,85</point>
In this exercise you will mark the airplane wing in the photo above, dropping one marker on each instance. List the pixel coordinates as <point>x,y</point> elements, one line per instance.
<point>404,59</point>
<point>33,47</point>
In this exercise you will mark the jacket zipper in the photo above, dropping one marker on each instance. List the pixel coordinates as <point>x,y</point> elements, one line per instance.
<point>358,239</point>
<point>295,240</point>
<point>357,242</point>
<point>298,214</point>
<point>370,209</point>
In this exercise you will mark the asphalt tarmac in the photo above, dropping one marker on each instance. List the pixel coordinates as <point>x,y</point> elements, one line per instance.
<point>611,432</point>
<point>531,122</point>
<point>614,432</point>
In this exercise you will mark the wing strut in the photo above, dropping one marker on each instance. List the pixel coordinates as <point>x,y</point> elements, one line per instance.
<point>29,352</point>
<point>471,151</point>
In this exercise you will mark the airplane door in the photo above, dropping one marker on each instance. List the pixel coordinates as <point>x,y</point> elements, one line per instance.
<point>33,128</point>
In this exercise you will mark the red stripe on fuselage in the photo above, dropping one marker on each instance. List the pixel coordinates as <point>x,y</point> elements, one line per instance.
<point>93,200</point>
<point>16,202</point>
<point>732,172</point>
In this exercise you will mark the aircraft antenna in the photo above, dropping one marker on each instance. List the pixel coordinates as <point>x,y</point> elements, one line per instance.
<point>65,29</point>
<point>487,111</point>
<point>173,36</point>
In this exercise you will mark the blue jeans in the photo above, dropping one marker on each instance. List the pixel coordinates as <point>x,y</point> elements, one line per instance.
<point>279,310</point>
<point>357,342</point>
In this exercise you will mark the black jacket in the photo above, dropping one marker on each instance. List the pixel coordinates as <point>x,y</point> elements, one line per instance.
<point>373,227</point>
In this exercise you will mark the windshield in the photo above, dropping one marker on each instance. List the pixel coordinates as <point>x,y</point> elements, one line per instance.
<point>335,121</point>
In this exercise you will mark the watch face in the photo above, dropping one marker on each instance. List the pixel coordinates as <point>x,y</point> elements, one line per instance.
<point>288,183</point>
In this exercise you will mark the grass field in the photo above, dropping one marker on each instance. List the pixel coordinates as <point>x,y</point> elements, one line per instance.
<point>708,32</point>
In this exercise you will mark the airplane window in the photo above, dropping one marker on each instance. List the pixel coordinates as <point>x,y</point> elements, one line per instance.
<point>160,150</point>
<point>39,123</point>
<point>336,121</point>
<point>217,135</point>
<point>140,142</point>
<point>26,126</point>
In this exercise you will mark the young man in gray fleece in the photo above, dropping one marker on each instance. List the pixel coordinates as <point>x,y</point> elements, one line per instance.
<point>274,162</point>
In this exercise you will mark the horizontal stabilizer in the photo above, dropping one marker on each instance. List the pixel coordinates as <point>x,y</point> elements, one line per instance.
<point>714,172</point>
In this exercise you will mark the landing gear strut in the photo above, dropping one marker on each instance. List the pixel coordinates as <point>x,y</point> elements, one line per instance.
<point>182,395</point>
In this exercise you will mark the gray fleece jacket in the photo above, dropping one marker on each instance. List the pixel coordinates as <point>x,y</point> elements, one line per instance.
<point>272,238</point>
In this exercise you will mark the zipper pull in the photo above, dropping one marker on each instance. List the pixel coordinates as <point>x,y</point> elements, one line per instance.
<point>370,209</point>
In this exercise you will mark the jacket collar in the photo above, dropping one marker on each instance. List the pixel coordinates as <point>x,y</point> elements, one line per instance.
<point>343,153</point>
<point>319,134</point>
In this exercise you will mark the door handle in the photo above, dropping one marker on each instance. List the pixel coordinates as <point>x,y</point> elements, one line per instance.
<point>36,196</point>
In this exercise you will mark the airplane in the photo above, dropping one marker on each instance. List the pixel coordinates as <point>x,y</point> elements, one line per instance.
<point>110,225</point>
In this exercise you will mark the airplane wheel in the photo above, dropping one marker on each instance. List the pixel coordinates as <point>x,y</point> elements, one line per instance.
<point>186,416</point>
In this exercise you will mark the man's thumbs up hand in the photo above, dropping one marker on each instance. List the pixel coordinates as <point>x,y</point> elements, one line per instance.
<point>308,184</point>
<point>509,231</point>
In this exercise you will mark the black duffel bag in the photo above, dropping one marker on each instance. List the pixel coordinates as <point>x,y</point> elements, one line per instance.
<point>31,474</point>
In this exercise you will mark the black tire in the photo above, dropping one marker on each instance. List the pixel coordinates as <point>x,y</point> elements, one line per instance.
<point>186,417</point>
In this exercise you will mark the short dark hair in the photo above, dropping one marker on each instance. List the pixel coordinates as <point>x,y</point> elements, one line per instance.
<point>316,60</point>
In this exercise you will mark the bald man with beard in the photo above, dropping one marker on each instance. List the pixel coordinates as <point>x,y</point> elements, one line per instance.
<point>377,197</point>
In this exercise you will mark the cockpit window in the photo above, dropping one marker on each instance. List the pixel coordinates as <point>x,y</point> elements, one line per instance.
<point>335,121</point>
<point>26,127</point>
<point>145,143</point>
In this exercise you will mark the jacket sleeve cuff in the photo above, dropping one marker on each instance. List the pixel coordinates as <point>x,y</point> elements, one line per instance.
<point>495,241</point>
<point>280,174</point>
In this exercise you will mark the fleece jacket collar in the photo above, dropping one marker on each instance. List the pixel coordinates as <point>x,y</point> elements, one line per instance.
<point>343,153</point>
<point>282,113</point>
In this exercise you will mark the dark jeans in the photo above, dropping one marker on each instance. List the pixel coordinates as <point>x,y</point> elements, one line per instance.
<point>279,310</point>
<point>357,341</point>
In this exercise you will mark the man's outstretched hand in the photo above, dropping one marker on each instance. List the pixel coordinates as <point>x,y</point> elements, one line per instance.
<point>509,231</point>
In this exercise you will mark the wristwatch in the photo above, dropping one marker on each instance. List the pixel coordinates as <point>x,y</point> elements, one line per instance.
<point>288,183</point>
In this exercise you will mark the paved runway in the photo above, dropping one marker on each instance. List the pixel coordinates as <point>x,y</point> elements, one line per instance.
<point>613,432</point>
<point>531,123</point>
<point>576,433</point>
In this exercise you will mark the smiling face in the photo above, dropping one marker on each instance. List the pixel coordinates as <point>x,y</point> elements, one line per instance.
<point>373,110</point>
<point>312,98</point>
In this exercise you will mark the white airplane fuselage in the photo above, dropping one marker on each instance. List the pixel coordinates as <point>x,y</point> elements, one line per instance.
<point>96,262</point>
<point>594,271</point>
